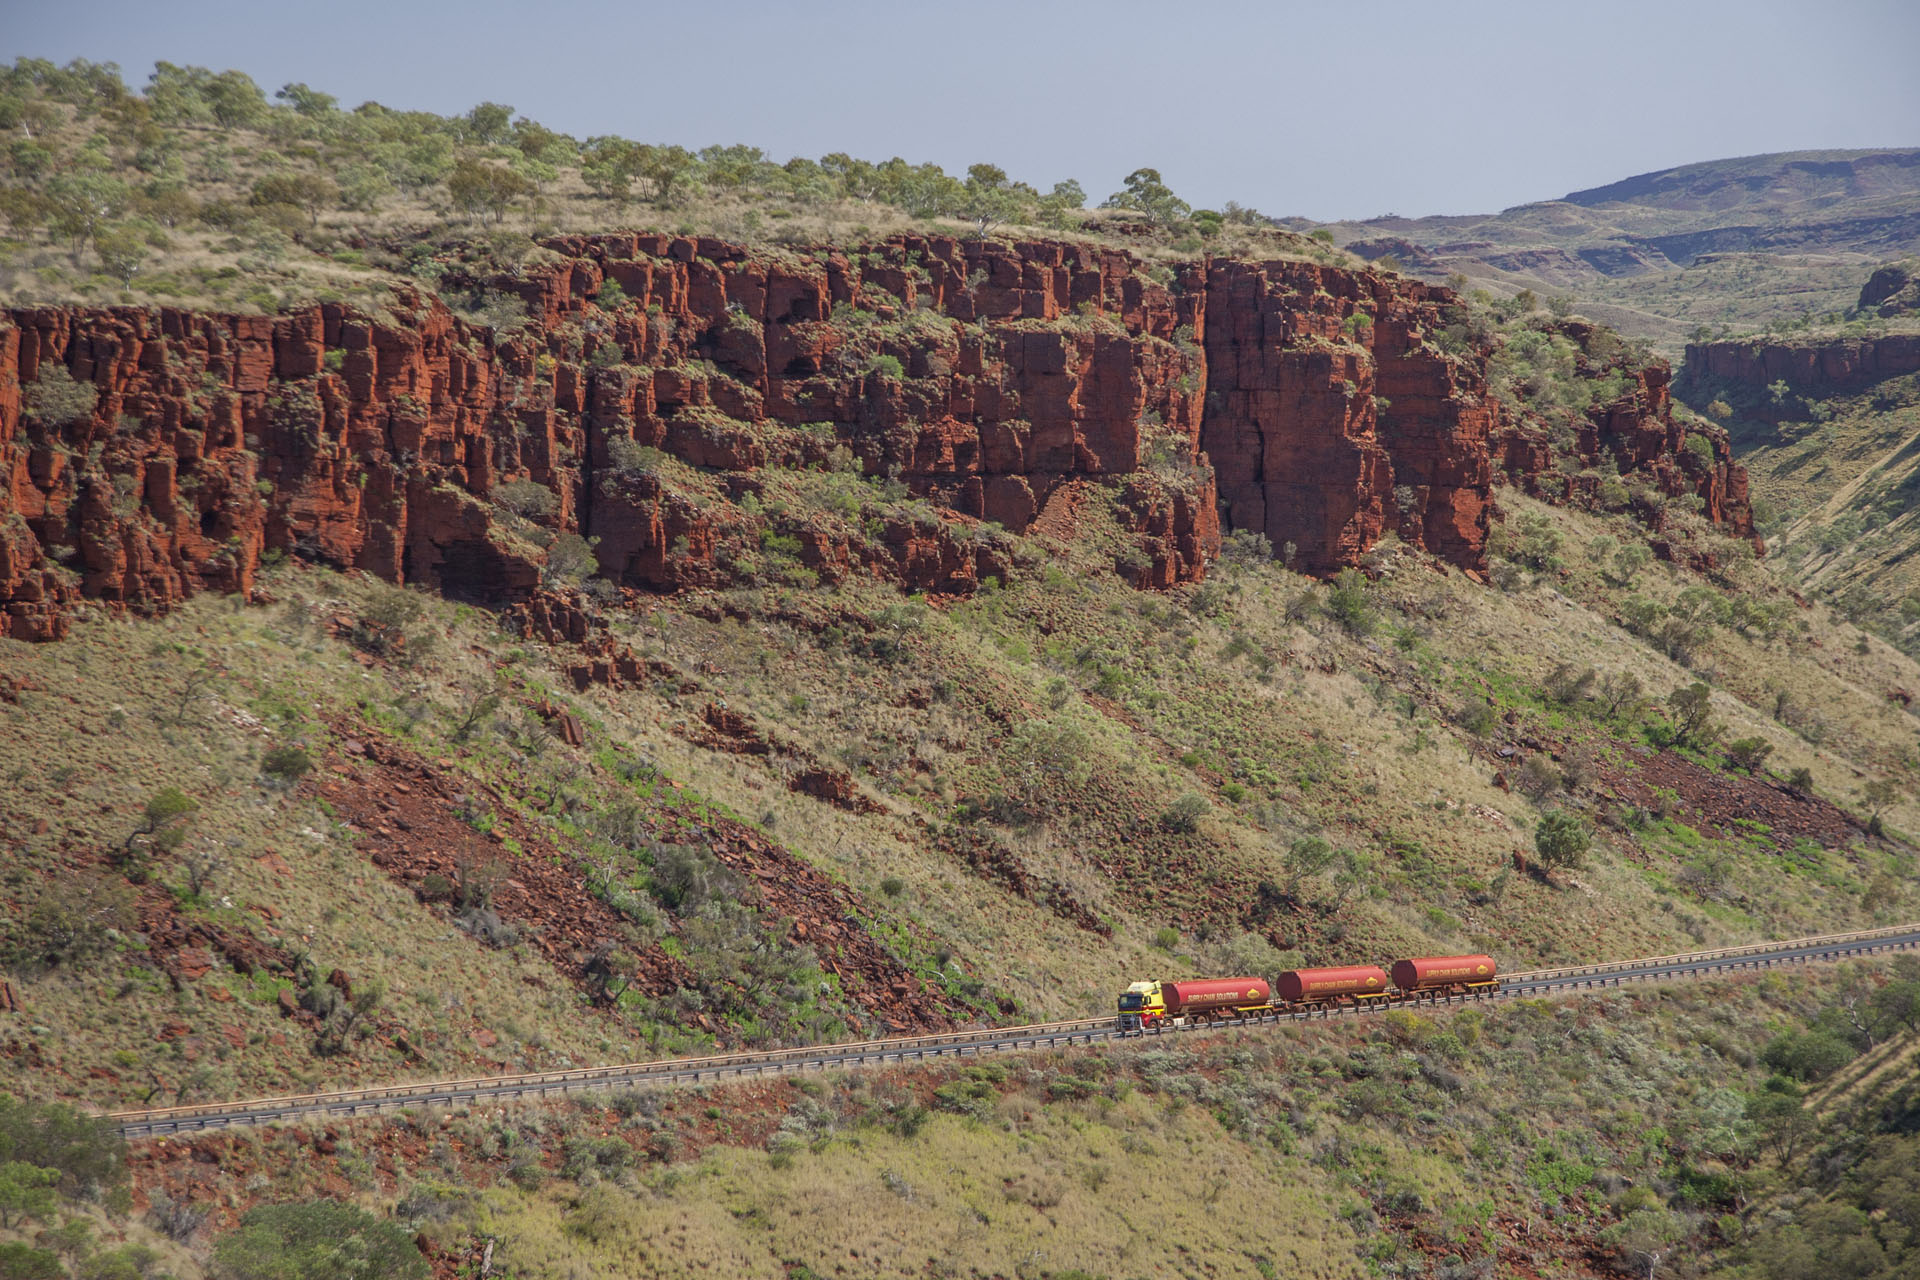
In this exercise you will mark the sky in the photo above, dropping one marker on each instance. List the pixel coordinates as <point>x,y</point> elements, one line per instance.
<point>1324,110</point>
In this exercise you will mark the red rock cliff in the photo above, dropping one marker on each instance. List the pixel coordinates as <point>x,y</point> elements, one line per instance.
<point>1808,368</point>
<point>987,379</point>
<point>981,377</point>
<point>1334,418</point>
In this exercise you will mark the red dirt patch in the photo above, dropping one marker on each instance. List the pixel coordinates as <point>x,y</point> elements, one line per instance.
<point>406,811</point>
<point>1721,801</point>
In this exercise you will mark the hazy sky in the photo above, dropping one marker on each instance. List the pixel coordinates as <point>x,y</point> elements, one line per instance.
<point>1329,110</point>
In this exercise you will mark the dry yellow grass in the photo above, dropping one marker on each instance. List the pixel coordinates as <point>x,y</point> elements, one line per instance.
<point>1127,1189</point>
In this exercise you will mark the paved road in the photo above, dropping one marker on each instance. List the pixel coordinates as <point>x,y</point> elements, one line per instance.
<point>1533,983</point>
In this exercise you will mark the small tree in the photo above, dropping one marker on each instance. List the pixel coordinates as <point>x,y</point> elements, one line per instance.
<point>664,168</point>
<point>1569,685</point>
<point>569,560</point>
<point>162,826</point>
<point>1348,603</point>
<point>1307,857</point>
<point>1043,754</point>
<point>319,1240</point>
<point>1621,693</point>
<point>486,189</point>
<point>202,866</point>
<point>81,202</point>
<point>69,920</point>
<point>122,251</point>
<point>1781,1121</point>
<point>1562,840</point>
<point>1646,1237</point>
<point>26,1191</point>
<point>1749,753</point>
<point>1184,814</point>
<point>480,706</point>
<point>1879,794</point>
<point>286,764</point>
<point>1147,193</point>
<point>490,122</point>
<point>55,399</point>
<point>308,192</point>
<point>193,687</point>
<point>990,198</point>
<point>1897,1004</point>
<point>21,1261</point>
<point>1692,708</point>
<point>528,499</point>
<point>1629,560</point>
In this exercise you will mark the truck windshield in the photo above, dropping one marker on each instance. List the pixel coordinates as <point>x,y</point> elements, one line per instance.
<point>1133,1000</point>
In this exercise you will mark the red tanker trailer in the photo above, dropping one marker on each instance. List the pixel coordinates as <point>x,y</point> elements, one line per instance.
<point>1354,983</point>
<point>1432,976</point>
<point>1145,1004</point>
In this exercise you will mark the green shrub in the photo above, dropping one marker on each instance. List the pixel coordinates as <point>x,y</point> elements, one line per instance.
<point>887,367</point>
<point>87,1151</point>
<point>1562,839</point>
<point>287,764</point>
<point>1748,753</point>
<point>26,1191</point>
<point>318,1240</point>
<point>21,1261</point>
<point>1809,1055</point>
<point>1184,814</point>
<point>1477,716</point>
<point>54,398</point>
<point>1348,603</point>
<point>69,920</point>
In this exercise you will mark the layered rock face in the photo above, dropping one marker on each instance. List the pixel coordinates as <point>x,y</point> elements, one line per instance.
<point>987,380</point>
<point>1808,368</point>
<point>1333,418</point>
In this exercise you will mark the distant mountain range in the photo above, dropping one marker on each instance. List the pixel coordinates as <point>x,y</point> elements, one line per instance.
<point>1736,242</point>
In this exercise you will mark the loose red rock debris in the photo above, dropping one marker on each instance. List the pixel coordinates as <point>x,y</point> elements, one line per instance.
<point>406,810</point>
<point>1726,803</point>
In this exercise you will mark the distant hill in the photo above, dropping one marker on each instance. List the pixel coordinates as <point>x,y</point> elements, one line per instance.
<point>1736,243</point>
<point>1782,179</point>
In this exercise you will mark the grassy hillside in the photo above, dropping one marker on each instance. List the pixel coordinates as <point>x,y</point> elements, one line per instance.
<point>1735,1128</point>
<point>1062,784</point>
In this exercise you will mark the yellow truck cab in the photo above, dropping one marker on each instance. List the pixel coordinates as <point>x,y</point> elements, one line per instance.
<point>1141,1005</point>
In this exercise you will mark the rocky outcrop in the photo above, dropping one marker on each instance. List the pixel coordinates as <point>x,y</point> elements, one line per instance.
<point>420,448</point>
<point>1635,433</point>
<point>941,392</point>
<point>1893,290</point>
<point>1332,418</point>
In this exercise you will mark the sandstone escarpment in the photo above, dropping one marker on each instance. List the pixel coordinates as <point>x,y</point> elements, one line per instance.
<point>1809,367</point>
<point>658,383</point>
<point>1334,418</point>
